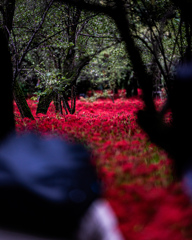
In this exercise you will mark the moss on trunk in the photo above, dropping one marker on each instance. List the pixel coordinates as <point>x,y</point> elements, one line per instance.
<point>44,102</point>
<point>21,102</point>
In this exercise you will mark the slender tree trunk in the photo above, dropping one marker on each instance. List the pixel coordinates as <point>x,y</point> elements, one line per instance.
<point>8,14</point>
<point>21,102</point>
<point>7,124</point>
<point>126,84</point>
<point>44,102</point>
<point>119,14</point>
<point>57,103</point>
<point>144,78</point>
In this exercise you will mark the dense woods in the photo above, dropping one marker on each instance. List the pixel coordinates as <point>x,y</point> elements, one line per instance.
<point>104,73</point>
<point>61,48</point>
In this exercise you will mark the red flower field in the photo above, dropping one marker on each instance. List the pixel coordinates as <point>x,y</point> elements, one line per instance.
<point>136,174</point>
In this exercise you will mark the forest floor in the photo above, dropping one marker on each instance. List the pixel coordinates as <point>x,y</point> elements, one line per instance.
<point>137,175</point>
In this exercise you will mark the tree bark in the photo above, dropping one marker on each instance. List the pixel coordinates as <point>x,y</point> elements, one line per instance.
<point>21,102</point>
<point>44,102</point>
<point>7,10</point>
<point>145,79</point>
<point>119,14</point>
<point>57,103</point>
<point>7,124</point>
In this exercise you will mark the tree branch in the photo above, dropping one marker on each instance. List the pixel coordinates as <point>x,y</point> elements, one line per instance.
<point>32,38</point>
<point>93,7</point>
<point>119,14</point>
<point>55,34</point>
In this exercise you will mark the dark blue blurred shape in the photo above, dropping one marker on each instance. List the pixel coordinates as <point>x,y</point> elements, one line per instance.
<point>174,137</point>
<point>184,72</point>
<point>46,185</point>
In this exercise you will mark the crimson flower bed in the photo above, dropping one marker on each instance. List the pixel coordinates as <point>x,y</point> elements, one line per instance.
<point>136,174</point>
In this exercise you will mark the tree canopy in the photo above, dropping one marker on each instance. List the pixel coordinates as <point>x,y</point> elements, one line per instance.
<point>56,43</point>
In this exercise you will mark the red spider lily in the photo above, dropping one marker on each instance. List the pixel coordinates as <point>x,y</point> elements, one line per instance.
<point>137,176</point>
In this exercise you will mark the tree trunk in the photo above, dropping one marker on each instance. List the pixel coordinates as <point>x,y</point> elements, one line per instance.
<point>7,124</point>
<point>144,78</point>
<point>116,87</point>
<point>44,102</point>
<point>21,102</point>
<point>8,14</point>
<point>57,103</point>
<point>126,84</point>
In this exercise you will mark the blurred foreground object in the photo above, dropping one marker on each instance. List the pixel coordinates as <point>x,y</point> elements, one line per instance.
<point>174,137</point>
<point>99,223</point>
<point>47,186</point>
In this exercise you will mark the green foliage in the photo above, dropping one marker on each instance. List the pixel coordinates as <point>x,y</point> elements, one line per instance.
<point>50,82</point>
<point>56,51</point>
<point>60,47</point>
<point>109,68</point>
